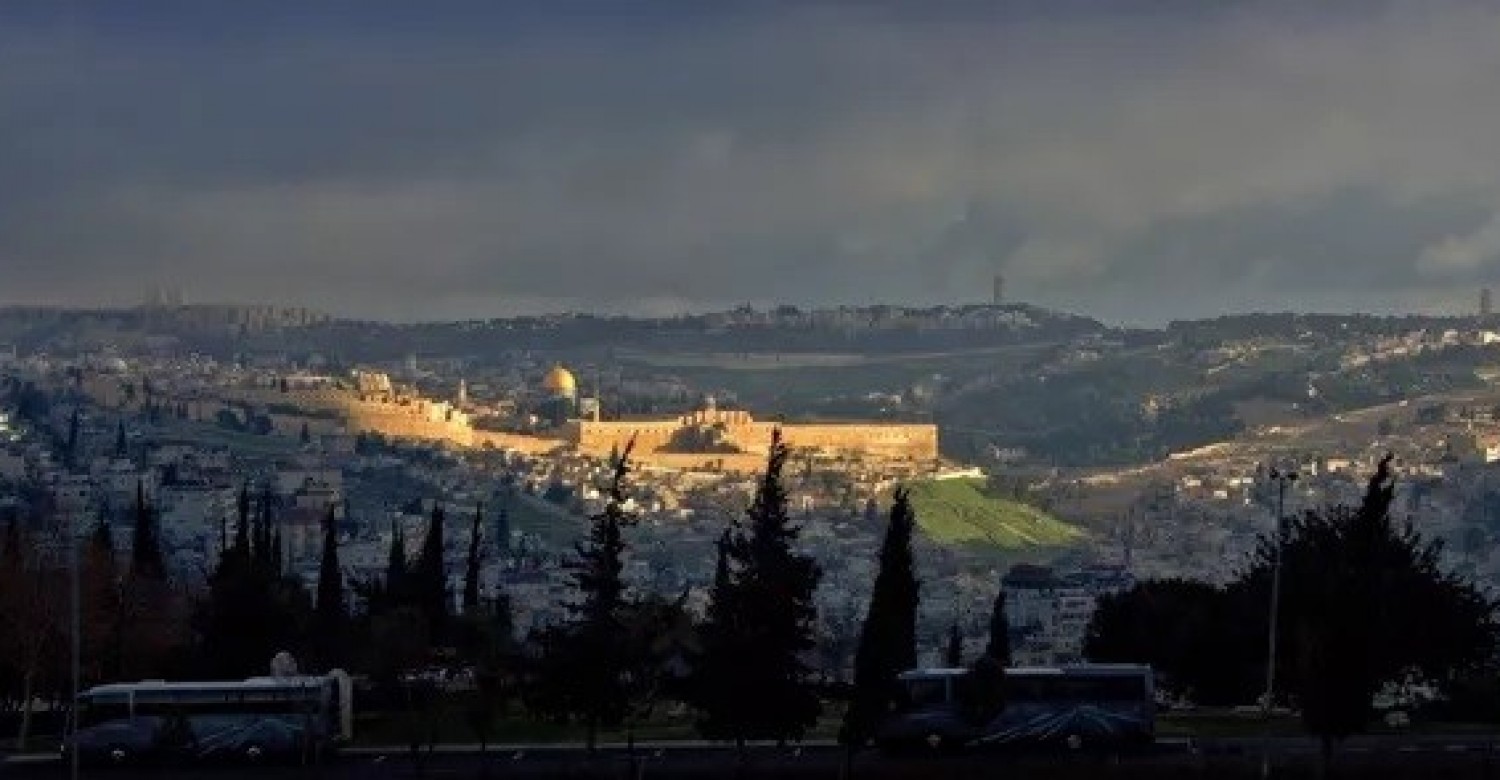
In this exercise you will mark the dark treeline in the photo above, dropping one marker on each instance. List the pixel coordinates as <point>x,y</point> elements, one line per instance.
<point>1365,606</point>
<point>619,655</point>
<point>1365,603</point>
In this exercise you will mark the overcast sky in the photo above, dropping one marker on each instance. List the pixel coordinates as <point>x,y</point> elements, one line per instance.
<point>469,159</point>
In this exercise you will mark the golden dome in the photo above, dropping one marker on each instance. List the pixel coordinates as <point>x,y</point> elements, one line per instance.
<point>560,381</point>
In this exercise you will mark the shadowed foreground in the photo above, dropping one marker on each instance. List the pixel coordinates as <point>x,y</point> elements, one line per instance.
<point>1430,762</point>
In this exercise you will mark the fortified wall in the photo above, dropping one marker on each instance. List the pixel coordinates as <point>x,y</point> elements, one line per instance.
<point>737,431</point>
<point>400,417</point>
<point>706,438</point>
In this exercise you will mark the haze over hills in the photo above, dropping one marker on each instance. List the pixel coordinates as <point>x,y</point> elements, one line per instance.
<point>1013,382</point>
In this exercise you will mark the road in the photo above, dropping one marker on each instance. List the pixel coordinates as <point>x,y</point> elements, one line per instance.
<point>1455,756</point>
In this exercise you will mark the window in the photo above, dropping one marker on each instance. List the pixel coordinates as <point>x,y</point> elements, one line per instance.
<point>925,692</point>
<point>1076,689</point>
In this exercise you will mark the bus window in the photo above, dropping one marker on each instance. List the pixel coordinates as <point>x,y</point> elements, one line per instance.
<point>924,693</point>
<point>1080,689</point>
<point>101,709</point>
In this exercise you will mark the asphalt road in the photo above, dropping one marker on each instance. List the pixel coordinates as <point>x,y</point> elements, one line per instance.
<point>1427,757</point>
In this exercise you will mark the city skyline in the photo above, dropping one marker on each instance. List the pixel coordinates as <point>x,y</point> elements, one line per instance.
<point>1137,164</point>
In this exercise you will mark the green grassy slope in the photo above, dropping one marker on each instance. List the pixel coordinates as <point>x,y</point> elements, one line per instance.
<point>958,511</point>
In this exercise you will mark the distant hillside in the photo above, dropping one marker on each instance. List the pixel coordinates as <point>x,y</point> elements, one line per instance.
<point>958,511</point>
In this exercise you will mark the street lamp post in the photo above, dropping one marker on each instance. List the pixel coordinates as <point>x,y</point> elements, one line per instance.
<point>1282,479</point>
<point>76,639</point>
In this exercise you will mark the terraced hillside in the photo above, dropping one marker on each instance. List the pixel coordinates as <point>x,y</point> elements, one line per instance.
<point>959,511</point>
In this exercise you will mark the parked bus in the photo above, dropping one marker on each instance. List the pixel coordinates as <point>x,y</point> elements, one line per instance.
<point>255,720</point>
<point>1087,706</point>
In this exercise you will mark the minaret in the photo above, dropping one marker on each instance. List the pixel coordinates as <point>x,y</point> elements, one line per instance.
<point>463,392</point>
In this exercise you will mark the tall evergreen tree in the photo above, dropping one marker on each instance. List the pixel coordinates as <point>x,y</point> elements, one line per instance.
<point>585,667</point>
<point>241,544</point>
<point>1365,602</point>
<point>953,656</point>
<point>101,604</point>
<point>260,533</point>
<point>278,552</point>
<point>145,550</point>
<point>888,641</point>
<point>998,647</point>
<point>252,611</point>
<point>502,530</point>
<point>70,453</point>
<point>770,615</point>
<point>396,575</point>
<point>430,579</point>
<point>331,613</point>
<point>472,564</point>
<point>714,689</point>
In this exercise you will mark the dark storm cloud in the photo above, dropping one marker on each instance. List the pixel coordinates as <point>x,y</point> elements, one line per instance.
<point>1142,162</point>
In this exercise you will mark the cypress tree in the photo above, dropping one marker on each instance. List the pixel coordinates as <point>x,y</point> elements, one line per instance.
<point>101,599</point>
<point>431,576</point>
<point>261,552</point>
<point>502,530</point>
<point>122,446</point>
<point>71,452</point>
<point>102,540</point>
<point>242,528</point>
<point>278,553</point>
<point>395,568</point>
<point>714,688</point>
<point>999,644</point>
<point>953,657</point>
<point>472,564</point>
<point>145,550</point>
<point>888,640</point>
<point>330,604</point>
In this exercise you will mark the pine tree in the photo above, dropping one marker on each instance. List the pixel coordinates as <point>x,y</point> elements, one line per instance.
<point>953,657</point>
<point>331,612</point>
<point>584,665</point>
<point>771,616</point>
<point>472,563</point>
<point>431,577</point>
<point>888,641</point>
<point>145,550</point>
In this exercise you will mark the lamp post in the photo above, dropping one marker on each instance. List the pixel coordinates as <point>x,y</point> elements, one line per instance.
<point>76,640</point>
<point>1282,479</point>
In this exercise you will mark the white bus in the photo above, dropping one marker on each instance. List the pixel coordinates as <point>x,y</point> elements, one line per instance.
<point>1104,706</point>
<point>258,719</point>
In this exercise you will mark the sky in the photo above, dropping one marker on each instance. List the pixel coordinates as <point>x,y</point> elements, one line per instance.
<point>1137,162</point>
